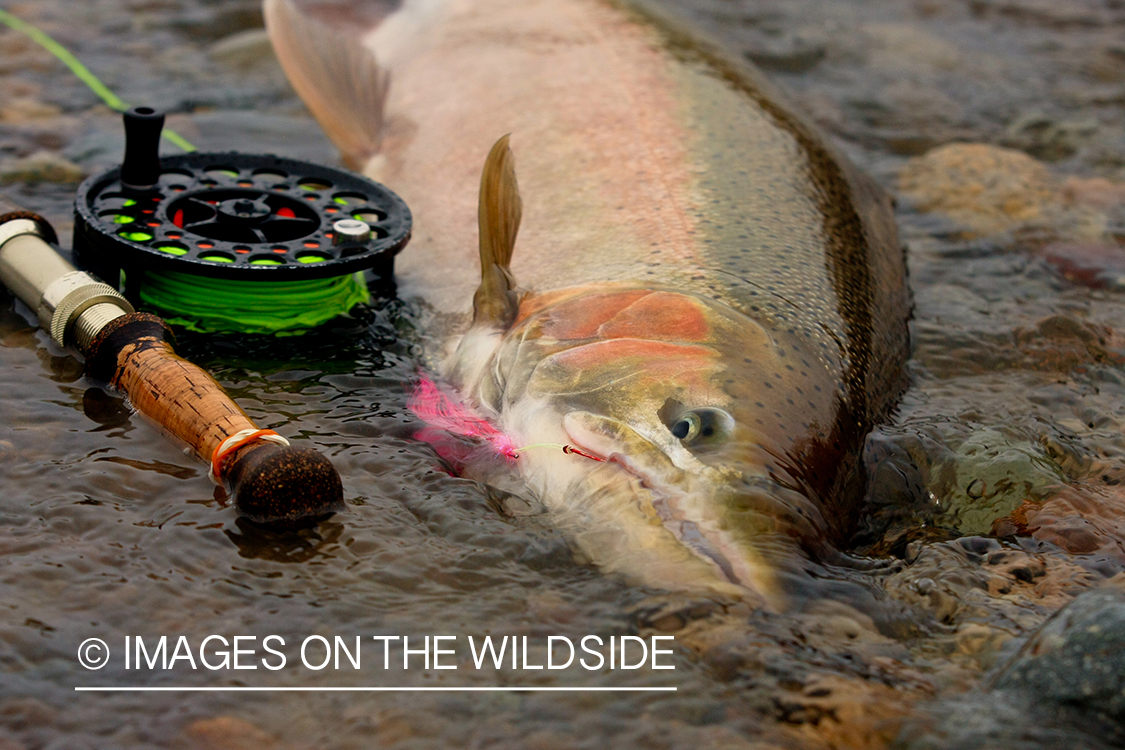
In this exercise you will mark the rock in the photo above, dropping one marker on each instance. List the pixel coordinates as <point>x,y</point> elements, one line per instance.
<point>981,580</point>
<point>991,473</point>
<point>220,19</point>
<point>1096,192</point>
<point>1064,688</point>
<point>40,135</point>
<point>1046,138</point>
<point>844,713</point>
<point>225,733</point>
<point>1098,265</point>
<point>19,54</point>
<point>25,109</point>
<point>1075,663</point>
<point>19,714</point>
<point>789,53</point>
<point>8,742</point>
<point>244,51</point>
<point>11,88</point>
<point>42,166</point>
<point>980,642</point>
<point>1063,343</point>
<point>983,722</point>
<point>550,606</point>
<point>1086,521</point>
<point>829,623</point>
<point>75,742</point>
<point>903,47</point>
<point>392,730</point>
<point>986,188</point>
<point>97,149</point>
<point>1049,14</point>
<point>259,133</point>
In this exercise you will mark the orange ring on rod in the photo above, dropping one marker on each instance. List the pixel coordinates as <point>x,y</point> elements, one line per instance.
<point>224,449</point>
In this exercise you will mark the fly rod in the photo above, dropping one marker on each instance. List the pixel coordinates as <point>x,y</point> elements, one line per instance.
<point>269,480</point>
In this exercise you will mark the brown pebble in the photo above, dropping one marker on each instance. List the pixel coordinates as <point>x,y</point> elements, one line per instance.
<point>1096,192</point>
<point>225,733</point>
<point>1098,265</point>
<point>26,713</point>
<point>11,88</point>
<point>18,53</point>
<point>847,713</point>
<point>550,606</point>
<point>26,109</point>
<point>980,642</point>
<point>1083,521</point>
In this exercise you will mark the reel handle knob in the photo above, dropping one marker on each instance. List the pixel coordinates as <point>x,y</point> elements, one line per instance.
<point>141,168</point>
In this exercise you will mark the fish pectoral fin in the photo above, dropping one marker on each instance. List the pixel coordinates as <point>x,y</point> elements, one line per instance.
<point>496,301</point>
<point>335,74</point>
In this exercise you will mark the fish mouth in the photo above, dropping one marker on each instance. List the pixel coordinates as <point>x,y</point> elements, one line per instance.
<point>682,499</point>
<point>619,443</point>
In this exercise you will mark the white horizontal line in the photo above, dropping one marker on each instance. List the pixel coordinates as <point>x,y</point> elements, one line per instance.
<point>514,689</point>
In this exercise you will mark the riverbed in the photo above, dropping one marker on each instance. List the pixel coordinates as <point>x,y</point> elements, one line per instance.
<point>995,500</point>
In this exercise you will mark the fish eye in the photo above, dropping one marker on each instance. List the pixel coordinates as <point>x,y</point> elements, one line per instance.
<point>702,428</point>
<point>687,427</point>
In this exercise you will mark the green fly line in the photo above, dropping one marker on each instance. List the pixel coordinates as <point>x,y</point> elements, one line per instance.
<point>81,71</point>
<point>283,308</point>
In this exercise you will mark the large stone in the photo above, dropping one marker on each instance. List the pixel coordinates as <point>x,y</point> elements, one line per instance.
<point>1064,688</point>
<point>986,188</point>
<point>1075,663</point>
<point>42,166</point>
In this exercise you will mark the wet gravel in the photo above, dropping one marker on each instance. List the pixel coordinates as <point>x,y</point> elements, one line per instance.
<point>979,606</point>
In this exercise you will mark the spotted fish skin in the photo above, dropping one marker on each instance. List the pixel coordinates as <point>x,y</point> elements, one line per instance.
<point>691,253</point>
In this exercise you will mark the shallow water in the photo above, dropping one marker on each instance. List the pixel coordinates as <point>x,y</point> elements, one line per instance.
<point>995,497</point>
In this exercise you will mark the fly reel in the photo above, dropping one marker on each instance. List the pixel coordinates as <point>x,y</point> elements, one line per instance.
<point>199,232</point>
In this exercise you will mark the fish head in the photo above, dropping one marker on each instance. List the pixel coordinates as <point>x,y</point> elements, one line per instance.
<point>695,412</point>
<point>694,435</point>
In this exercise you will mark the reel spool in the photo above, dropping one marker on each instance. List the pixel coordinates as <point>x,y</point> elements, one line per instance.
<point>235,242</point>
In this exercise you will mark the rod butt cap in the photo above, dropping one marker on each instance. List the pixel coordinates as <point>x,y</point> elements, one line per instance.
<point>274,484</point>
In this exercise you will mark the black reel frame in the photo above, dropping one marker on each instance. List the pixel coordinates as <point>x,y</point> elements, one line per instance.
<point>232,216</point>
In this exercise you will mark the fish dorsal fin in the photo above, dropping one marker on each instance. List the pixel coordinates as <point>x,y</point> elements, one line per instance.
<point>338,78</point>
<point>496,301</point>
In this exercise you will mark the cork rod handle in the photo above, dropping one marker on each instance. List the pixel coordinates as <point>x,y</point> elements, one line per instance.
<point>269,483</point>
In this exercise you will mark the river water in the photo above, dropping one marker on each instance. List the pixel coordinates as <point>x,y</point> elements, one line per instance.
<point>995,497</point>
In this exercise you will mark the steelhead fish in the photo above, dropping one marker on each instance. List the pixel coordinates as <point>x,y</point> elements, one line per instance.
<point>702,291</point>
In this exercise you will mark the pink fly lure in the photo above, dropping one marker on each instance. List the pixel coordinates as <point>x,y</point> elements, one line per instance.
<point>452,430</point>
